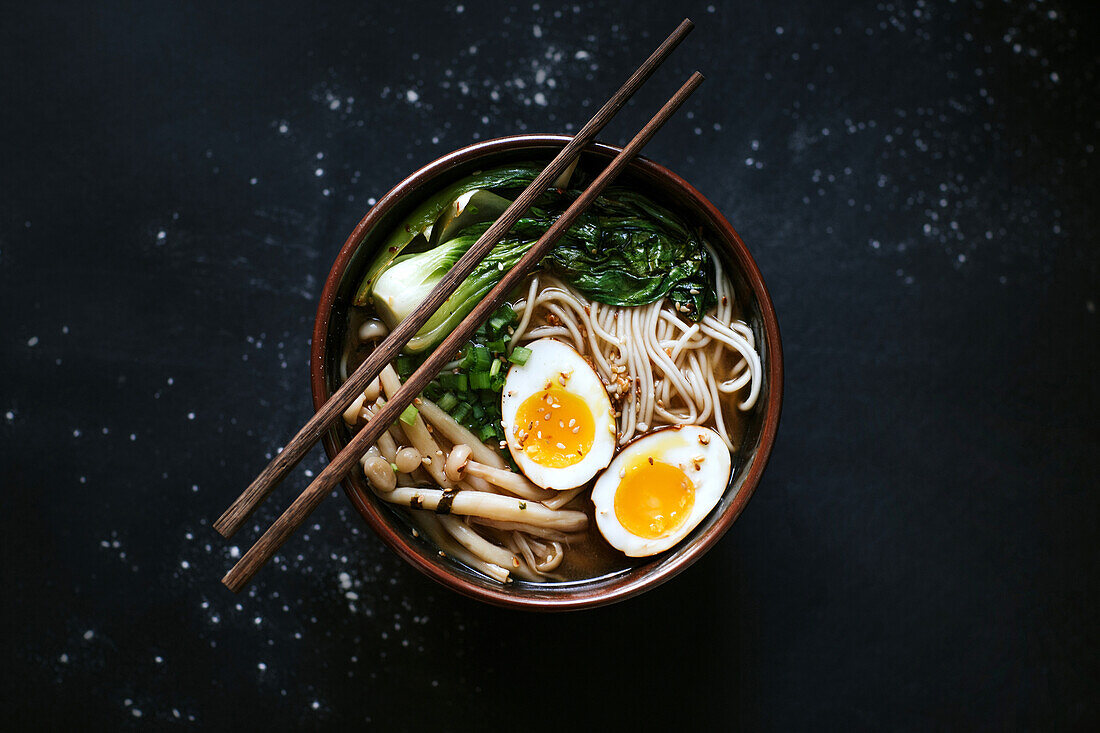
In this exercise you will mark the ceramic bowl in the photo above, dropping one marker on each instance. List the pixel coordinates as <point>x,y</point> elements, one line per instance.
<point>664,186</point>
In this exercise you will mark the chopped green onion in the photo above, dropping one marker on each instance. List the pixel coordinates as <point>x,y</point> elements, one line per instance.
<point>408,416</point>
<point>479,380</point>
<point>486,432</point>
<point>498,347</point>
<point>461,383</point>
<point>494,368</point>
<point>404,365</point>
<point>461,411</point>
<point>447,402</point>
<point>520,355</point>
<point>481,358</point>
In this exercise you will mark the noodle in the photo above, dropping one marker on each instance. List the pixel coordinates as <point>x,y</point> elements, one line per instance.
<point>659,369</point>
<point>627,345</point>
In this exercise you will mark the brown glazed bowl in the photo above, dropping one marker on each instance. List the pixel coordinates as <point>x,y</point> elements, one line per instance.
<point>664,186</point>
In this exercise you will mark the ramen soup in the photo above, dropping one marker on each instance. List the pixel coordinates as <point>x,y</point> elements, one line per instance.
<point>593,419</point>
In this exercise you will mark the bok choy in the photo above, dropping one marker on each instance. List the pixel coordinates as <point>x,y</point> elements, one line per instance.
<point>624,250</point>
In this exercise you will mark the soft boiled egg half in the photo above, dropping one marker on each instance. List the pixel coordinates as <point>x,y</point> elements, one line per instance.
<point>557,417</point>
<point>660,487</point>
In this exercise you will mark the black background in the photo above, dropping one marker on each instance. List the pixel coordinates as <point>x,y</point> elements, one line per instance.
<point>916,180</point>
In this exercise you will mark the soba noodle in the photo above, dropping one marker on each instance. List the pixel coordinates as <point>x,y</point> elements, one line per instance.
<point>660,369</point>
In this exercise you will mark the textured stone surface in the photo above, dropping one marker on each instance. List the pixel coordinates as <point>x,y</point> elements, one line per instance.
<point>917,181</point>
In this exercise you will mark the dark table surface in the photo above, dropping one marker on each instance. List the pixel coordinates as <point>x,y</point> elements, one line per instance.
<point>917,181</point>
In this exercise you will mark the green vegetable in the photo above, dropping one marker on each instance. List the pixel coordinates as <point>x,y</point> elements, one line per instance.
<point>625,250</point>
<point>447,401</point>
<point>481,358</point>
<point>629,251</point>
<point>469,208</point>
<point>520,355</point>
<point>494,368</point>
<point>404,366</point>
<point>426,214</point>
<point>408,415</point>
<point>402,287</point>
<point>461,411</point>
<point>479,380</point>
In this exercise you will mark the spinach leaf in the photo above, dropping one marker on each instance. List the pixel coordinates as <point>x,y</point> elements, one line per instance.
<point>627,250</point>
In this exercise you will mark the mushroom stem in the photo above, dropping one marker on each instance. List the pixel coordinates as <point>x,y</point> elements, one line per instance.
<point>507,480</point>
<point>418,433</point>
<point>491,506</point>
<point>459,466</point>
<point>477,544</point>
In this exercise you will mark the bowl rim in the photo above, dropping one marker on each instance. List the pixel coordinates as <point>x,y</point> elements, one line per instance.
<point>574,597</point>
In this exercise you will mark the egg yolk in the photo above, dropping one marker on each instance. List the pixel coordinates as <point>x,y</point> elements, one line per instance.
<point>554,428</point>
<point>653,498</point>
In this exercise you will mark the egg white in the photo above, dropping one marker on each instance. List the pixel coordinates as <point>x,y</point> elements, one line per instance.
<point>548,361</point>
<point>677,446</point>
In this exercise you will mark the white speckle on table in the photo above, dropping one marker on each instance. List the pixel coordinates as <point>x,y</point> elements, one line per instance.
<point>89,635</point>
<point>32,341</point>
<point>412,96</point>
<point>319,172</point>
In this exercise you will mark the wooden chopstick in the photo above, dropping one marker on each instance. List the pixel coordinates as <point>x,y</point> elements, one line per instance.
<point>239,511</point>
<point>297,513</point>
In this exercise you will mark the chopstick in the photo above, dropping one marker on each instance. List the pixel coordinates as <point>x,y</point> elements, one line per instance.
<point>291,454</point>
<point>297,513</point>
